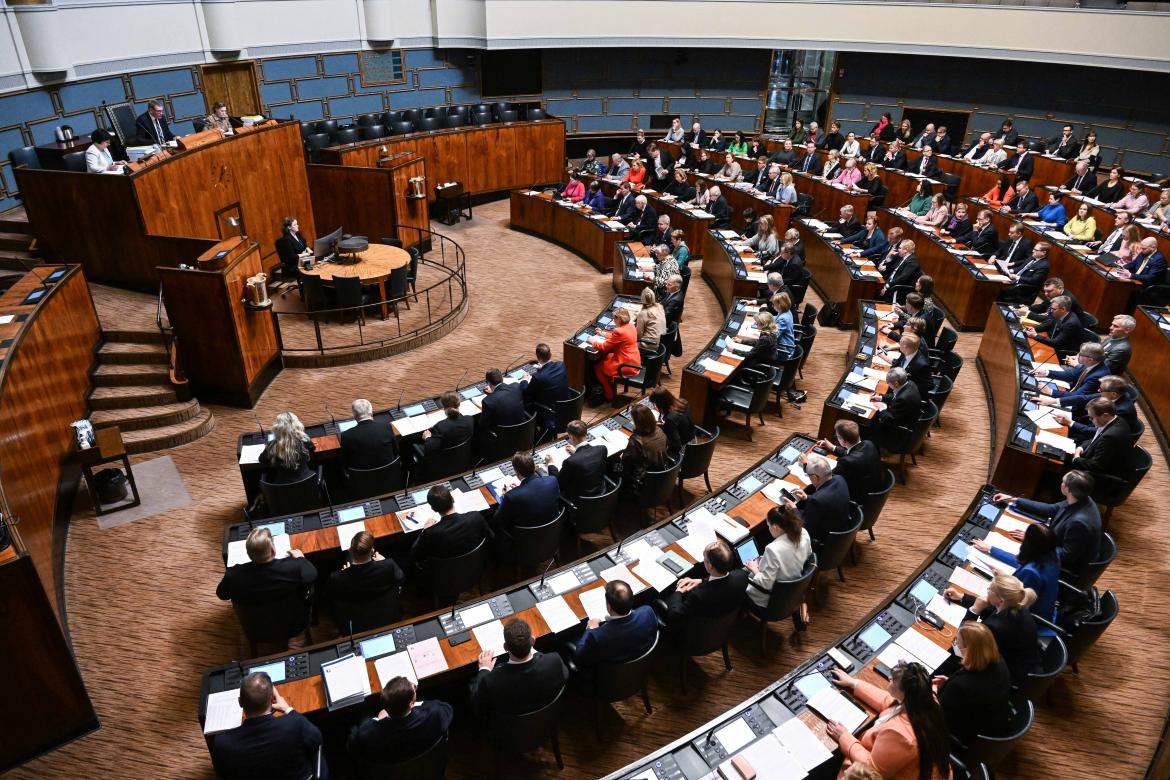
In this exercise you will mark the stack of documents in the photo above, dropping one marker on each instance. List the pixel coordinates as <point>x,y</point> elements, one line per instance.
<point>223,711</point>
<point>427,657</point>
<point>346,681</point>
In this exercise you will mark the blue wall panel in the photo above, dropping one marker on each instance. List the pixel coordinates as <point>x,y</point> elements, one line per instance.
<point>339,64</point>
<point>290,68</point>
<point>587,124</point>
<point>189,105</point>
<point>87,94</point>
<point>635,105</point>
<point>11,139</point>
<point>82,123</point>
<point>418,98</point>
<point>25,107</point>
<point>148,85</point>
<point>352,106</point>
<point>279,92</point>
<point>324,87</point>
<point>448,77</point>
<point>569,107</point>
<point>304,111</point>
<point>691,106</point>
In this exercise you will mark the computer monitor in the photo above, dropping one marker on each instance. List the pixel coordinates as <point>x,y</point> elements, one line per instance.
<point>323,246</point>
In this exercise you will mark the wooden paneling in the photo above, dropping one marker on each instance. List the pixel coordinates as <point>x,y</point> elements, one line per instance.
<point>234,84</point>
<point>833,278</point>
<point>567,226</point>
<point>1151,353</point>
<point>361,200</point>
<point>409,212</point>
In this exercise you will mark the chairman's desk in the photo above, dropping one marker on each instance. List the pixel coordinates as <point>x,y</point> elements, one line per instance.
<point>964,284</point>
<point>890,632</point>
<point>691,220</point>
<point>839,277</point>
<point>1098,288</point>
<point>866,363</point>
<point>1020,462</point>
<point>589,233</point>
<point>1105,217</point>
<point>684,534</point>
<point>485,158</point>
<point>706,376</point>
<point>579,353</point>
<point>731,272</point>
<point>1151,355</point>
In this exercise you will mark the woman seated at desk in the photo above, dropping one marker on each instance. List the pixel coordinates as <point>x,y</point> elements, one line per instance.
<point>763,352</point>
<point>292,247</point>
<point>1082,227</point>
<point>1004,612</point>
<point>730,169</point>
<point>739,144</point>
<point>674,417</point>
<point>765,243</point>
<point>286,457</point>
<point>636,176</point>
<point>849,174</point>
<point>665,266</point>
<point>219,120</point>
<point>676,132</point>
<point>937,214</point>
<point>574,190</point>
<point>783,558</point>
<point>651,321</point>
<point>707,164</point>
<point>832,165</point>
<point>868,237</point>
<point>975,699</point>
<point>1000,194</point>
<point>1052,213</point>
<point>1113,188</point>
<point>716,141</point>
<point>97,157</point>
<point>595,197</point>
<point>787,191</point>
<point>958,226</point>
<point>682,255</point>
<point>646,450</point>
<point>619,346</point>
<point>1090,152</point>
<point>920,202</point>
<point>1037,567</point>
<point>679,187</point>
<point>798,134</point>
<point>757,148</point>
<point>638,148</point>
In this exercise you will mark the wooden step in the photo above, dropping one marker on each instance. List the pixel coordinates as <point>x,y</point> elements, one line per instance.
<point>15,224</point>
<point>129,353</point>
<point>153,336</point>
<point>123,376</point>
<point>165,437</point>
<point>129,397</point>
<point>16,260</point>
<point>17,241</point>
<point>141,417</point>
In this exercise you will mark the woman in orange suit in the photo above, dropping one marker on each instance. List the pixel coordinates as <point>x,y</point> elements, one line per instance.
<point>618,346</point>
<point>909,740</point>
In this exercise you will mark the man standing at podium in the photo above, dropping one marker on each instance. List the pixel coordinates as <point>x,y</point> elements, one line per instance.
<point>152,127</point>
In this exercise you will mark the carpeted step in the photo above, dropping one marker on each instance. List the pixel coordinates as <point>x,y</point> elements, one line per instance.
<point>119,336</point>
<point>165,437</point>
<point>138,418</point>
<point>11,224</point>
<point>18,260</point>
<point>17,241</point>
<point>131,353</point>
<point>128,397</point>
<point>124,376</point>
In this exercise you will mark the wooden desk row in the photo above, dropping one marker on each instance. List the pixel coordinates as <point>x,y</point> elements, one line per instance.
<point>731,272</point>
<point>890,632</point>
<point>964,284</point>
<point>1151,354</point>
<point>1105,217</point>
<point>683,216</point>
<point>838,277</point>
<point>579,354</point>
<point>712,369</point>
<point>574,226</point>
<point>631,263</point>
<point>866,364</point>
<point>740,197</point>
<point>1006,356</point>
<point>1098,288</point>
<point>303,687</point>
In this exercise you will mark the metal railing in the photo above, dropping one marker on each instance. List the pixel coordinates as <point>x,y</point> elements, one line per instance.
<point>324,330</point>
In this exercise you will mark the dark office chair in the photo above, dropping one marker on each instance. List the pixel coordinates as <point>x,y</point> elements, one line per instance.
<point>786,369</point>
<point>396,288</point>
<point>401,127</point>
<point>481,119</point>
<point>387,119</point>
<point>434,111</point>
<point>315,143</point>
<point>499,108</point>
<point>514,734</point>
<point>276,618</point>
<point>450,460</point>
<point>481,108</point>
<point>509,116</point>
<point>748,395</point>
<point>703,636</point>
<point>327,126</point>
<point>431,765</point>
<point>993,750</point>
<point>198,125</point>
<point>414,115</point>
<point>506,440</point>
<point>307,129</point>
<point>412,271</point>
<point>696,458</point>
<point>535,545</point>
<point>808,337</point>
<point>658,487</point>
<point>612,682</point>
<point>905,441</point>
<point>314,293</point>
<point>535,113</point>
<point>74,161</point>
<point>366,483</point>
<point>346,135</point>
<point>968,770</point>
<point>833,552</point>
<point>667,342</point>
<point>381,609</point>
<point>950,365</point>
<point>593,514</point>
<point>428,123</point>
<point>1111,492</point>
<point>646,377</point>
<point>454,120</point>
<point>372,132</point>
<point>290,498</point>
<point>351,298</point>
<point>871,507</point>
<point>939,394</point>
<point>784,601</point>
<point>1080,638</point>
<point>1053,659</point>
<point>449,578</point>
<point>563,412</point>
<point>365,120</point>
<point>1106,555</point>
<point>26,156</point>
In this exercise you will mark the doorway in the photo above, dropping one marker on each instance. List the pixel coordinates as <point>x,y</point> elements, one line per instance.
<point>232,83</point>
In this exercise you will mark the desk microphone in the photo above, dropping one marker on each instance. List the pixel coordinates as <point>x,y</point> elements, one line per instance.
<point>400,394</point>
<point>329,412</point>
<point>540,585</point>
<point>510,366</point>
<point>28,268</point>
<point>461,378</point>
<point>257,418</point>
<point>352,646</point>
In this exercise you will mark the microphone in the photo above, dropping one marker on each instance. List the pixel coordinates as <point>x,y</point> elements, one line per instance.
<point>400,394</point>
<point>461,378</point>
<point>510,365</point>
<point>257,418</point>
<point>28,268</point>
<point>540,585</point>
<point>329,412</point>
<point>352,646</point>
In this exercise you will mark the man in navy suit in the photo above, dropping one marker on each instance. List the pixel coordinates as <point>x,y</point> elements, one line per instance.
<point>583,472</point>
<point>1075,521</point>
<point>151,126</point>
<point>825,507</point>
<point>1063,328</point>
<point>404,729</point>
<point>1149,265</point>
<point>926,166</point>
<point>1024,201</point>
<point>624,203</point>
<point>1084,379</point>
<point>1021,165</point>
<point>721,592</point>
<point>643,220</point>
<point>502,405</point>
<point>625,634</point>
<point>544,387</point>
<point>916,363</point>
<point>1027,275</point>
<point>265,745</point>
<point>1109,451</point>
<point>532,503</point>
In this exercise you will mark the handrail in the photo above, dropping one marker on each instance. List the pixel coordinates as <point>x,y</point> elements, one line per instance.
<point>170,344</point>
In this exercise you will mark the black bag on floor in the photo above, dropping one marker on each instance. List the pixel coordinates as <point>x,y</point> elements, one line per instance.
<point>111,486</point>
<point>829,315</point>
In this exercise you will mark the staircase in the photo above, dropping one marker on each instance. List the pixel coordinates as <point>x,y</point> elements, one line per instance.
<point>132,390</point>
<point>16,243</point>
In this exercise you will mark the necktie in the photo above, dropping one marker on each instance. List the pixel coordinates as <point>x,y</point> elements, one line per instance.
<point>923,168</point>
<point>158,130</point>
<point>1080,378</point>
<point>1142,267</point>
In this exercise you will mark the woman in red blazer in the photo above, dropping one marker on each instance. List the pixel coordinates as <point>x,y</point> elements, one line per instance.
<point>618,346</point>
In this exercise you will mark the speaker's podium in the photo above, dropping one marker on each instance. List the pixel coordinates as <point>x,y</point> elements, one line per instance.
<point>227,346</point>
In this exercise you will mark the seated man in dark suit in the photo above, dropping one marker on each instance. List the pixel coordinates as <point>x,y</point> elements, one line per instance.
<point>1027,276</point>
<point>1075,521</point>
<point>151,126</point>
<point>1039,310</point>
<point>859,462</point>
<point>824,508</point>
<point>789,266</point>
<point>503,404</point>
<point>719,208</point>
<point>1024,201</point>
<point>1117,348</point>
<point>672,305</point>
<point>915,306</point>
<point>534,502</point>
<point>926,165</point>
<point>404,728</point>
<point>1148,266</point>
<point>369,444</point>
<point>264,745</point>
<point>902,407</point>
<point>916,363</point>
<point>265,576</point>
<point>846,224</point>
<point>452,430</point>
<point>721,592</point>
<point>1021,164</point>
<point>627,632</point>
<point>624,203</point>
<point>903,270</point>
<point>1110,450</point>
<point>583,472</point>
<point>1013,249</point>
<point>366,575</point>
<point>524,683</point>
<point>452,535</point>
<point>544,387</point>
<point>643,220</point>
<point>983,238</point>
<point>1084,379</point>
<point>1063,329</point>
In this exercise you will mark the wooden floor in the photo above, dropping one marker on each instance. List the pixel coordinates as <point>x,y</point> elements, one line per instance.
<point>145,621</point>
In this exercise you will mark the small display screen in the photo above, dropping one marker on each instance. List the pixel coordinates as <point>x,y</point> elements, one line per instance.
<point>274,670</point>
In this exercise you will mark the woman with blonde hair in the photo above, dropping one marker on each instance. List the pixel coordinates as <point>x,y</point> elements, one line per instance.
<point>785,327</point>
<point>286,457</point>
<point>1131,243</point>
<point>976,698</point>
<point>651,321</point>
<point>1082,227</point>
<point>765,243</point>
<point>832,165</point>
<point>1003,611</point>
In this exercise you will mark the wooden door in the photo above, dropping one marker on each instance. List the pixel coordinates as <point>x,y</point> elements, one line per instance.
<point>234,84</point>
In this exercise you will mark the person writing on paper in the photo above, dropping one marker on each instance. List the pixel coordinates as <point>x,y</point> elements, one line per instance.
<point>858,462</point>
<point>626,633</point>
<point>286,457</point>
<point>366,576</point>
<point>647,449</point>
<point>1003,610</point>
<point>783,558</point>
<point>265,745</point>
<point>909,739</point>
<point>97,157</point>
<point>618,347</point>
<point>265,575</point>
<point>674,417</point>
<point>824,505</point>
<point>525,682</point>
<point>369,444</point>
<point>583,472</point>
<point>452,534</point>
<point>1037,566</point>
<point>720,593</point>
<point>975,699</point>
<point>403,729</point>
<point>763,351</point>
<point>532,503</point>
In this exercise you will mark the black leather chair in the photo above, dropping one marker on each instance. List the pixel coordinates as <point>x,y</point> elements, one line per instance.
<point>534,545</point>
<point>1079,639</point>
<point>314,293</point>
<point>276,619</point>
<point>290,498</point>
<point>327,126</point>
<point>372,132</point>
<point>431,765</point>
<point>401,127</point>
<point>434,111</point>
<point>968,770</point>
<point>514,734</point>
<point>428,123</point>
<point>499,108</point>
<point>784,601</point>
<point>993,750</point>
<point>939,395</point>
<point>950,365</point>
<point>506,440</point>
<point>1053,659</point>
<point>481,119</point>
<point>806,338</point>
<point>307,129</point>
<point>871,507</point>
<point>74,162</point>
<point>612,682</point>
<point>646,378</point>
<point>667,342</point>
<point>658,487</point>
<point>26,156</point>
<point>833,552</point>
<point>366,483</point>
<point>696,458</point>
<point>450,460</point>
<point>315,143</point>
<point>908,441</point>
<point>346,135</point>
<point>381,609</point>
<point>593,514</point>
<point>481,108</point>
<point>351,297</point>
<point>563,412</point>
<point>198,125</point>
<point>397,287</point>
<point>413,115</point>
<point>748,395</point>
<point>1105,556</point>
<point>534,113</point>
<point>786,377</point>
<point>703,636</point>
<point>365,120</point>
<point>387,119</point>
<point>448,578</point>
<point>1111,492</point>
<point>454,120</point>
<point>509,116</point>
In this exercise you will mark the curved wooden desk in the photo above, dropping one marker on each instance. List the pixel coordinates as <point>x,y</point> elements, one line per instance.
<point>730,272</point>
<point>838,277</point>
<point>706,375</point>
<point>683,216</point>
<point>373,266</point>
<point>1151,353</point>
<point>591,235</point>
<point>628,278</point>
<point>865,370</point>
<point>579,353</point>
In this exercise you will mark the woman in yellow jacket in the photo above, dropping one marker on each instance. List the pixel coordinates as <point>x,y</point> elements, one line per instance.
<point>1082,227</point>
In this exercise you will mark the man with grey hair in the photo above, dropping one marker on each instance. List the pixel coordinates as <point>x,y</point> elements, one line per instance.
<point>672,306</point>
<point>899,407</point>
<point>718,207</point>
<point>824,506</point>
<point>643,220</point>
<point>370,443</point>
<point>618,167</point>
<point>775,285</point>
<point>1117,348</point>
<point>1062,330</point>
<point>151,126</point>
<point>1084,379</point>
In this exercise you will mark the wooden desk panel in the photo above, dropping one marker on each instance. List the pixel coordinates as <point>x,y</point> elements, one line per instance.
<point>832,277</point>
<point>567,226</point>
<point>625,281</point>
<point>719,269</point>
<point>832,411</point>
<point>1151,355</point>
<point>694,227</point>
<point>701,387</point>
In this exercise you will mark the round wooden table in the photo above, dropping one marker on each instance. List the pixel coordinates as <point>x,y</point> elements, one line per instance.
<point>373,267</point>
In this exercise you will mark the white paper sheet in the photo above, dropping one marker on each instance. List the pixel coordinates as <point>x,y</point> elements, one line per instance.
<point>223,711</point>
<point>622,573</point>
<point>470,501</point>
<point>397,665</point>
<point>418,516</point>
<point>1007,524</point>
<point>346,677</point>
<point>770,759</point>
<point>238,552</point>
<point>969,581</point>
<point>1043,418</point>
<point>563,582</point>
<point>427,657</point>
<point>490,637</point>
<point>346,533</point>
<point>989,563</point>
<point>831,705</point>
<point>952,614</point>
<point>6,318</point>
<point>932,655</point>
<point>250,453</point>
<point>715,367</point>
<point>593,601</point>
<point>473,616</point>
<point>1062,443</point>
<point>557,614</point>
<point>659,577</point>
<point>735,735</point>
<point>1004,543</point>
<point>808,751</point>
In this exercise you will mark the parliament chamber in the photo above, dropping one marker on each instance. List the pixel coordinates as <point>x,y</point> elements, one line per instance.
<point>376,292</point>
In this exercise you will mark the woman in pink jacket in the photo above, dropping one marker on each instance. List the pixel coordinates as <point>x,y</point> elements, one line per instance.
<point>574,190</point>
<point>849,175</point>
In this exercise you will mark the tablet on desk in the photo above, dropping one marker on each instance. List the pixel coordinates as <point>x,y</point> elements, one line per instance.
<point>747,551</point>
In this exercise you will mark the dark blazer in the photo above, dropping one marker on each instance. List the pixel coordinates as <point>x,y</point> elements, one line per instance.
<point>514,689</point>
<point>959,228</point>
<point>1022,203</point>
<point>531,503</point>
<point>617,639</point>
<point>940,145</point>
<point>810,163</point>
<point>711,598</point>
<point>624,208</point>
<point>502,406</point>
<point>1065,150</point>
<point>1085,183</point>
<point>826,509</point>
<point>783,157</point>
<point>644,222</point>
<point>672,305</point>
<point>919,371</point>
<point>288,248</point>
<point>902,407</point>
<point>873,153</point>
<point>282,475</point>
<point>281,748</point>
<point>549,384</point>
<point>448,432</point>
<point>1110,451</point>
<point>721,211</point>
<point>1023,167</point>
<point>582,473</point>
<point>681,190</point>
<point>1015,636</point>
<point>977,702</point>
<point>393,740</point>
<point>904,272</point>
<point>253,582</point>
<point>896,161</point>
<point>1032,273</point>
<point>1117,354</point>
<point>1021,251</point>
<point>983,240</point>
<point>144,127</point>
<point>1083,384</point>
<point>667,163</point>
<point>454,535</point>
<point>846,227</point>
<point>679,428</point>
<point>1077,528</point>
<point>861,468</point>
<point>1064,335</point>
<point>699,140</point>
<point>1010,138</point>
<point>1152,268</point>
<point>362,581</point>
<point>793,270</point>
<point>925,167</point>
<point>369,444</point>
